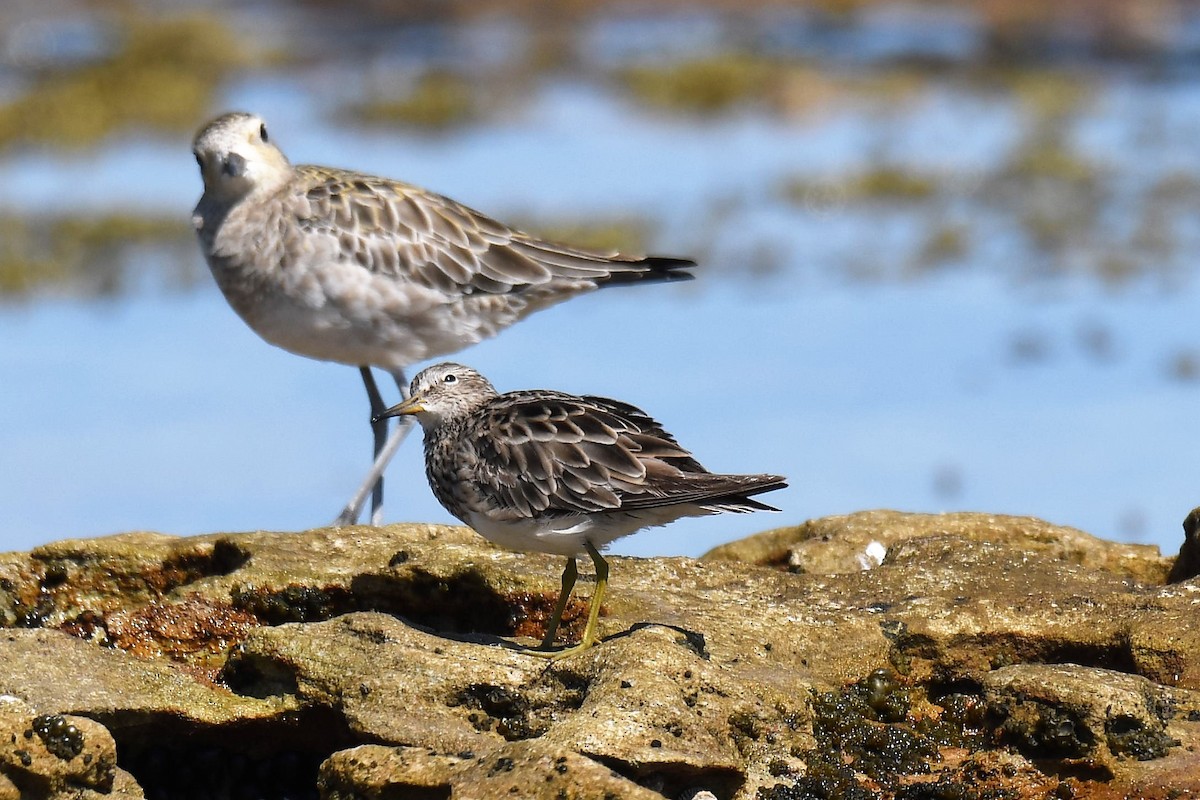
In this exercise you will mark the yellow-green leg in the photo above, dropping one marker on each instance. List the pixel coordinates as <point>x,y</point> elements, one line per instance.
<point>570,573</point>
<point>589,631</point>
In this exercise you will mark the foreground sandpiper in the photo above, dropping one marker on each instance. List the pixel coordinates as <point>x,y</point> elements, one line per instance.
<point>556,473</point>
<point>341,266</point>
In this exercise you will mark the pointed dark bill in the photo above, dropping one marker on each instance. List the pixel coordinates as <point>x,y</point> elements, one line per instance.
<point>410,406</point>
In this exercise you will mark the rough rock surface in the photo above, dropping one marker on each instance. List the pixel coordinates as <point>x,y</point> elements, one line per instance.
<point>874,655</point>
<point>45,755</point>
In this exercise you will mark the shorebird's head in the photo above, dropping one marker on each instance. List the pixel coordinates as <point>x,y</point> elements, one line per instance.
<point>236,156</point>
<point>443,392</point>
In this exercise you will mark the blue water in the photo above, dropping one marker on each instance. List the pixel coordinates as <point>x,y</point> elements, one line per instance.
<point>160,411</point>
<point>167,414</point>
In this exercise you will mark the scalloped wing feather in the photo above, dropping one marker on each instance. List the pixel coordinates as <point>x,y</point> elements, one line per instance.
<point>396,229</point>
<point>582,455</point>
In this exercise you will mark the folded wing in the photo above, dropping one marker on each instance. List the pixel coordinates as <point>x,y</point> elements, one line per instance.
<point>395,229</point>
<point>555,454</point>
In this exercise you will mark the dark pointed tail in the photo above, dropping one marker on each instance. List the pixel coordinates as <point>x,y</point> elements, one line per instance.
<point>740,500</point>
<point>651,269</point>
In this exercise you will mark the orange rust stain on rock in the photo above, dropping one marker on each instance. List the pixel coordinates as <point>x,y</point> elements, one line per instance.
<point>194,632</point>
<point>531,613</point>
<point>194,626</point>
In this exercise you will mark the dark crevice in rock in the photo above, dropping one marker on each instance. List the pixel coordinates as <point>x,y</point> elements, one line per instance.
<point>502,709</point>
<point>460,604</point>
<point>251,675</point>
<point>1077,770</point>
<point>463,603</point>
<point>892,629</point>
<point>271,760</point>
<point>225,557</point>
<point>907,647</point>
<point>816,788</point>
<point>294,603</point>
<point>673,780</point>
<point>1115,656</point>
<point>993,651</point>
<point>404,791</point>
<point>526,712</point>
<point>938,690</point>
<point>1130,736</point>
<point>1044,731</point>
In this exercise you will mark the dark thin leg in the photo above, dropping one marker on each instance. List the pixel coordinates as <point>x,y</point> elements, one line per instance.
<point>379,430</point>
<point>385,448</point>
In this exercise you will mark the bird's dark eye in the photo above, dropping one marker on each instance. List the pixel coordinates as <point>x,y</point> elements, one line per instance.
<point>262,132</point>
<point>451,378</point>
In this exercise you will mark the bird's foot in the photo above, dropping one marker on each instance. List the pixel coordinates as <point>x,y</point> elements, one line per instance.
<point>544,650</point>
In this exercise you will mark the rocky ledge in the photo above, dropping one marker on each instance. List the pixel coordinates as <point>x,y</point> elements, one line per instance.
<point>951,657</point>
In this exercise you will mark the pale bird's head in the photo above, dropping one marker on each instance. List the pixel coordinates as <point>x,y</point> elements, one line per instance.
<point>236,156</point>
<point>443,392</point>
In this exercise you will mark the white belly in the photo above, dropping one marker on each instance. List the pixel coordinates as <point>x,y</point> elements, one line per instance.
<point>566,536</point>
<point>345,314</point>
